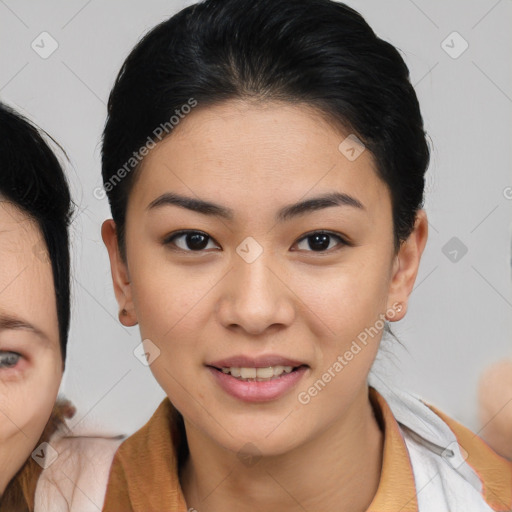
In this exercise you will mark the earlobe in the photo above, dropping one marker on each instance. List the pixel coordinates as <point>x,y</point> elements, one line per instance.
<point>120,274</point>
<point>406,266</point>
<point>126,318</point>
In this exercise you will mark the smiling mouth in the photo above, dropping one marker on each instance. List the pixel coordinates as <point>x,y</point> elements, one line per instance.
<point>251,374</point>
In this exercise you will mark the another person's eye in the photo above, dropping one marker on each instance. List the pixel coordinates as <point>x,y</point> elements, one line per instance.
<point>9,359</point>
<point>320,241</point>
<point>191,241</point>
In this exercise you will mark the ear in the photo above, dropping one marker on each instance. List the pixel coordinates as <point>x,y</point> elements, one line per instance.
<point>120,275</point>
<point>406,265</point>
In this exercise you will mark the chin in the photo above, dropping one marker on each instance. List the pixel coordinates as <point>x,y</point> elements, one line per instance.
<point>253,438</point>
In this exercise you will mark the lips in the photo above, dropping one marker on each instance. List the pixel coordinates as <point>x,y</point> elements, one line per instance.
<point>242,361</point>
<point>257,379</point>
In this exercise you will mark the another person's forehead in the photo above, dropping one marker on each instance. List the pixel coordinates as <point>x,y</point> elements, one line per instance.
<point>26,283</point>
<point>17,228</point>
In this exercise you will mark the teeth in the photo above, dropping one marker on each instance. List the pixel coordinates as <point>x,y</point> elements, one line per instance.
<point>247,373</point>
<point>259,374</point>
<point>264,373</point>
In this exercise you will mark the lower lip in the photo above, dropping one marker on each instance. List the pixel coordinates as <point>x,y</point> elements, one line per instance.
<point>255,391</point>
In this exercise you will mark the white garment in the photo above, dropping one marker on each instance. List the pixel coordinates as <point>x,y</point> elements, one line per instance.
<point>77,480</point>
<point>445,482</point>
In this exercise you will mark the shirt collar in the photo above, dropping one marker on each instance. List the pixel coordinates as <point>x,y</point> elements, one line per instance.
<point>396,490</point>
<point>150,457</point>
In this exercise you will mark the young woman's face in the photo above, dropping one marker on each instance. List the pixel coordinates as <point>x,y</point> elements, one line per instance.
<point>267,284</point>
<point>30,356</point>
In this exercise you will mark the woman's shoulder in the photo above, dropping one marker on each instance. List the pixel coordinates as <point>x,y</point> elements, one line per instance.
<point>146,460</point>
<point>463,472</point>
<point>452,466</point>
<point>75,473</point>
<point>160,434</point>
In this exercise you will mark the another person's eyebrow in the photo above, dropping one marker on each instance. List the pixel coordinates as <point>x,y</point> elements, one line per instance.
<point>285,213</point>
<point>8,322</point>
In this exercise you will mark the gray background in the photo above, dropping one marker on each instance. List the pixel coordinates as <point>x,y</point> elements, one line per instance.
<point>460,312</point>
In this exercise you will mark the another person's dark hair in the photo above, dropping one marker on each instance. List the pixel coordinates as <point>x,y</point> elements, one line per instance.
<point>32,178</point>
<point>318,53</point>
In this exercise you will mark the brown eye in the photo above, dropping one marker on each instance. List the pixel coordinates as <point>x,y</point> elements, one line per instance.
<point>320,241</point>
<point>189,241</point>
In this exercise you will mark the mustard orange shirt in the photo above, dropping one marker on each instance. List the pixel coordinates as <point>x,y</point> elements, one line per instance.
<point>431,463</point>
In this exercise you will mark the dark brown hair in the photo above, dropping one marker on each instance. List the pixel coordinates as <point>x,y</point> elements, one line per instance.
<point>319,53</point>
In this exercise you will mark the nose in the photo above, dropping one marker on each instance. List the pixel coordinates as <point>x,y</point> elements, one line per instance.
<point>255,297</point>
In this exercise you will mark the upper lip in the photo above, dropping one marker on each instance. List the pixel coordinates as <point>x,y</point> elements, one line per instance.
<point>243,361</point>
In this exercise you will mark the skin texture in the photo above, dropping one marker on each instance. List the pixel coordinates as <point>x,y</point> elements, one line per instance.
<point>29,387</point>
<point>307,305</point>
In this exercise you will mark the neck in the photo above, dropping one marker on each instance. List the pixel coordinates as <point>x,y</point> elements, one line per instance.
<point>338,470</point>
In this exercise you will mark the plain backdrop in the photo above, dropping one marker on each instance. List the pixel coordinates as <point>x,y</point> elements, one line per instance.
<point>460,312</point>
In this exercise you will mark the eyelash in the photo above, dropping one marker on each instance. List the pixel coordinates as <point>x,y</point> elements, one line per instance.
<point>169,239</point>
<point>6,355</point>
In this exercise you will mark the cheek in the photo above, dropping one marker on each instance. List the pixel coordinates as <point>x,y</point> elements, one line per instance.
<point>168,298</point>
<point>174,307</point>
<point>170,313</point>
<point>341,301</point>
<point>27,400</point>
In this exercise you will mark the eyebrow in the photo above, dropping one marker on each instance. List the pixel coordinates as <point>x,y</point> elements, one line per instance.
<point>10,322</point>
<point>284,214</point>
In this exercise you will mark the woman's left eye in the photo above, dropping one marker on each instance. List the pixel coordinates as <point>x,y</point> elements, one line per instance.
<point>320,241</point>
<point>9,359</point>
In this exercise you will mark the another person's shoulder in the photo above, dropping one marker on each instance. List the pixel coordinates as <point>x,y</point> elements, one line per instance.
<point>495,406</point>
<point>76,473</point>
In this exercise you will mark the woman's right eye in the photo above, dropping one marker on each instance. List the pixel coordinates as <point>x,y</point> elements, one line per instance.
<point>191,241</point>
<point>9,359</point>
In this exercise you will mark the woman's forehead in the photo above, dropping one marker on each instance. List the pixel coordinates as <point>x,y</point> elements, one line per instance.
<point>270,152</point>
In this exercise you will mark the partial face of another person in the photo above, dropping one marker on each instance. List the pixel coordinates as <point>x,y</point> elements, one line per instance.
<point>30,355</point>
<point>254,283</point>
